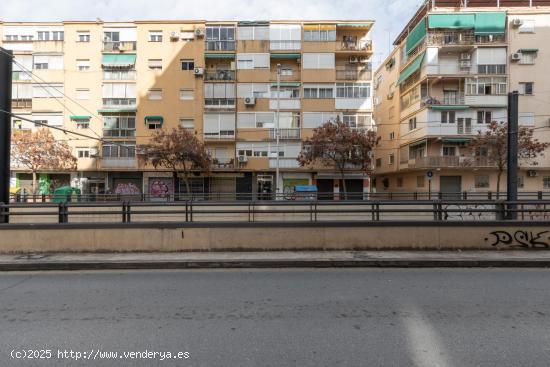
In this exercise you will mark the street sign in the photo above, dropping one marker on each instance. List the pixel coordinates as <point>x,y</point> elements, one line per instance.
<point>430,175</point>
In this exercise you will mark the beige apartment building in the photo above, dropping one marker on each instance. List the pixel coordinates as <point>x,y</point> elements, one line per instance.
<point>121,81</point>
<point>447,77</point>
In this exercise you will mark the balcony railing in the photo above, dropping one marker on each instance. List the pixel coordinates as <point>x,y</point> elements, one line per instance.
<point>220,46</point>
<point>119,133</point>
<point>119,162</point>
<point>285,134</point>
<point>119,75</point>
<point>354,46</point>
<point>285,44</point>
<point>449,162</point>
<point>219,75</point>
<point>220,135</point>
<point>21,103</point>
<point>445,101</point>
<point>284,163</point>
<point>218,103</point>
<point>358,74</point>
<point>223,163</point>
<point>464,127</point>
<point>119,102</point>
<point>461,38</point>
<point>295,76</point>
<point>110,46</point>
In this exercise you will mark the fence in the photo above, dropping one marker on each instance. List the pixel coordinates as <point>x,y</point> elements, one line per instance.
<point>276,211</point>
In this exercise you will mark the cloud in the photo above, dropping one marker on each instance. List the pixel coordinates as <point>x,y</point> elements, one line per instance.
<point>390,15</point>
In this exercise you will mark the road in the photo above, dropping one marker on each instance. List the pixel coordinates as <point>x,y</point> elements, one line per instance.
<point>287,317</point>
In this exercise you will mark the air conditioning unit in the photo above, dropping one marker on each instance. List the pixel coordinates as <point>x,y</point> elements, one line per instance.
<point>516,56</point>
<point>390,95</point>
<point>363,59</point>
<point>174,35</point>
<point>199,32</point>
<point>243,159</point>
<point>353,59</point>
<point>199,71</point>
<point>532,173</point>
<point>517,23</point>
<point>250,101</point>
<point>93,152</point>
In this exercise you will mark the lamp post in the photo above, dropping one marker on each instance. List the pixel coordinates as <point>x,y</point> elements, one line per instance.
<point>277,131</point>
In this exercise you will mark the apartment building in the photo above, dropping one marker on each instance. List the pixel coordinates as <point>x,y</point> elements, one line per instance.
<point>446,79</point>
<point>122,81</point>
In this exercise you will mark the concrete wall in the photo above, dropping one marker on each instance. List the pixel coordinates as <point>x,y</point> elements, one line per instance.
<point>166,237</point>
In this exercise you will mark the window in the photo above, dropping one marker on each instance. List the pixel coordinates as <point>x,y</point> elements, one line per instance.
<point>82,36</point>
<point>155,36</point>
<point>392,136</point>
<point>391,159</point>
<point>484,117</point>
<point>187,94</point>
<point>119,126</point>
<point>491,69</point>
<point>412,123</point>
<point>154,94</point>
<point>527,58</point>
<point>481,182</point>
<point>319,33</point>
<point>378,162</point>
<point>252,61</point>
<point>119,150</point>
<point>318,91</point>
<point>257,90</point>
<point>219,95</point>
<point>47,91</point>
<point>83,153</point>
<point>448,117</point>
<point>546,182</point>
<point>449,151</point>
<point>41,65</point>
<point>318,61</point>
<point>420,181</point>
<point>82,123</point>
<point>155,64</point>
<point>82,94</point>
<point>58,35</point>
<point>187,65</point>
<point>83,64</point>
<point>53,62</point>
<point>257,33</point>
<point>399,182</point>
<point>526,88</point>
<point>43,36</point>
<point>486,86</point>
<point>154,123</point>
<point>481,152</point>
<point>528,26</point>
<point>526,118</point>
<point>286,92</point>
<point>520,182</point>
<point>187,123</point>
<point>316,119</point>
<point>357,120</point>
<point>285,36</point>
<point>353,90</point>
<point>220,38</point>
<point>40,123</point>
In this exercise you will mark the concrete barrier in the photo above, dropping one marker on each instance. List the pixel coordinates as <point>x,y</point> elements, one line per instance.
<point>171,237</point>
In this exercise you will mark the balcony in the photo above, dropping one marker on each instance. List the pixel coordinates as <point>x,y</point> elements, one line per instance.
<point>486,100</point>
<point>119,46</point>
<point>456,100</point>
<point>295,76</point>
<point>223,163</point>
<point>463,68</point>
<point>119,162</point>
<point>285,134</point>
<point>284,163</point>
<point>354,46</point>
<point>119,102</point>
<point>119,75</point>
<point>220,135</point>
<point>219,103</point>
<point>285,45</point>
<point>364,74</point>
<point>285,104</point>
<point>220,46</point>
<point>462,39</point>
<point>449,162</point>
<point>21,104</point>
<point>219,75</point>
<point>119,133</point>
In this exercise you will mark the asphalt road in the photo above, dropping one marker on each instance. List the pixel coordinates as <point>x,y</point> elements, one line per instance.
<point>330,317</point>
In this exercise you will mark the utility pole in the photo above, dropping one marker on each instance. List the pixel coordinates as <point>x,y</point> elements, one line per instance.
<point>512,177</point>
<point>277,131</point>
<point>5,126</point>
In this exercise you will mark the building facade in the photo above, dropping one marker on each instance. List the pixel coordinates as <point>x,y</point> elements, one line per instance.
<point>122,81</point>
<point>447,78</point>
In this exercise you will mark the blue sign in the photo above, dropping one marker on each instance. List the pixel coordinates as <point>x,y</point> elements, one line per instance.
<point>430,174</point>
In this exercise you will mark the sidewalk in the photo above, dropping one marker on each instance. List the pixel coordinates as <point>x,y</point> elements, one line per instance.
<point>312,259</point>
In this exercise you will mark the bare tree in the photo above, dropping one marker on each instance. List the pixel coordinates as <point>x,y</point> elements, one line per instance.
<point>493,144</point>
<point>178,150</point>
<point>39,150</point>
<point>336,145</point>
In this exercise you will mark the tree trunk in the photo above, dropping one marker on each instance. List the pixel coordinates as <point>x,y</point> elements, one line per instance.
<point>186,179</point>
<point>34,188</point>
<point>175,181</point>
<point>499,174</point>
<point>344,187</point>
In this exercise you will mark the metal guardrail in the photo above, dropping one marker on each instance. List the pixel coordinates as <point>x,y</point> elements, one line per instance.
<point>276,211</point>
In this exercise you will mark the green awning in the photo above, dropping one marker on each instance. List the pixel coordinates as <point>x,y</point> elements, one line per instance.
<point>286,56</point>
<point>79,118</point>
<point>449,107</point>
<point>252,23</point>
<point>490,23</point>
<point>118,60</point>
<point>227,55</point>
<point>154,118</point>
<point>416,36</point>
<point>452,21</point>
<point>287,84</point>
<point>528,50</point>
<point>115,110</point>
<point>455,140</point>
<point>412,68</point>
<point>415,144</point>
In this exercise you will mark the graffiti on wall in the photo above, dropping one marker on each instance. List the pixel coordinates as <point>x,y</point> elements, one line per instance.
<point>469,212</point>
<point>521,239</point>
<point>127,188</point>
<point>161,187</point>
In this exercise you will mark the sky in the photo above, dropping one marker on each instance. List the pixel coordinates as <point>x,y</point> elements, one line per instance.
<point>390,15</point>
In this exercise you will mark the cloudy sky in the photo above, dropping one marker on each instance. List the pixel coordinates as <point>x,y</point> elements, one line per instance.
<point>390,15</point>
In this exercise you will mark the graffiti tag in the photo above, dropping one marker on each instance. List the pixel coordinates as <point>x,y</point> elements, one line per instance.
<point>523,239</point>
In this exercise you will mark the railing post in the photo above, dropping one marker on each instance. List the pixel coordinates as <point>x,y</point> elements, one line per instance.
<point>415,195</point>
<point>440,195</point>
<point>63,215</point>
<point>465,195</point>
<point>500,211</point>
<point>191,211</point>
<point>539,195</point>
<point>249,212</point>
<point>43,198</point>
<point>186,211</point>
<point>489,195</point>
<point>377,212</point>
<point>316,210</point>
<point>4,213</point>
<point>435,208</point>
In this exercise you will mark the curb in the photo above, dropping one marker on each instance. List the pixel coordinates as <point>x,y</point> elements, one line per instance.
<point>266,264</point>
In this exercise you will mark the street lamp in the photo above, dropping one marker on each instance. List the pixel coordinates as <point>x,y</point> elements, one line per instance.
<point>277,132</point>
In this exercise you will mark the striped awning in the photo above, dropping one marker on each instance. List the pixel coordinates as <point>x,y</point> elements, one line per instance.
<point>118,60</point>
<point>285,56</point>
<point>80,118</point>
<point>225,55</point>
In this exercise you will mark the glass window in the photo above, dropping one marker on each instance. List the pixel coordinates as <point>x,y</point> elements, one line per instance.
<point>449,151</point>
<point>155,64</point>
<point>155,36</point>
<point>187,94</point>
<point>187,64</point>
<point>481,182</point>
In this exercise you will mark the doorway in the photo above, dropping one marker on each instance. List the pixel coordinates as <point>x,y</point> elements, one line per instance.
<point>265,187</point>
<point>450,187</point>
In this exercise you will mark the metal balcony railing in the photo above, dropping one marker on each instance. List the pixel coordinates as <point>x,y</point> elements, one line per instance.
<point>295,76</point>
<point>445,101</point>
<point>223,163</point>
<point>354,46</point>
<point>119,133</point>
<point>461,38</point>
<point>219,75</point>
<point>25,103</point>
<point>449,162</point>
<point>358,74</point>
<point>119,102</point>
<point>110,46</point>
<point>285,134</point>
<point>220,45</point>
<point>119,75</point>
<point>220,135</point>
<point>285,44</point>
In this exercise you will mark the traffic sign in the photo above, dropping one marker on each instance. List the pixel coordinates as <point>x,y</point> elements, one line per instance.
<point>430,174</point>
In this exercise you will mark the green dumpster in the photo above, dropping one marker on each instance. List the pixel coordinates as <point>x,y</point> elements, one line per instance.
<point>65,194</point>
